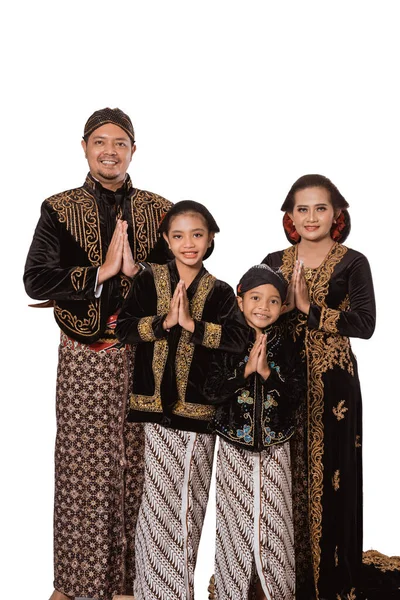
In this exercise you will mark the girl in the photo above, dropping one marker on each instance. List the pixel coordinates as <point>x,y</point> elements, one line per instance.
<point>183,320</point>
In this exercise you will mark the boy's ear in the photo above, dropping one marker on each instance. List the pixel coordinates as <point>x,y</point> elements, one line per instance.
<point>240,302</point>
<point>283,308</point>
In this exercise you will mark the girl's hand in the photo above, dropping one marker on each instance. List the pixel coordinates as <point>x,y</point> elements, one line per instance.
<point>263,367</point>
<point>184,318</point>
<point>173,314</point>
<point>251,365</point>
<point>300,290</point>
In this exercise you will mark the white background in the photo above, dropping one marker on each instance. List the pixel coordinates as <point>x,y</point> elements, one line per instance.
<point>231,102</point>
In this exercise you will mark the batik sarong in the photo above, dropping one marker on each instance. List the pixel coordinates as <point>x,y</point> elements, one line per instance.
<point>178,467</point>
<point>254,523</point>
<point>98,471</point>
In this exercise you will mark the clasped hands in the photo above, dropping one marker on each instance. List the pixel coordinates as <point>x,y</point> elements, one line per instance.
<point>258,362</point>
<point>119,255</point>
<point>297,296</point>
<point>179,313</point>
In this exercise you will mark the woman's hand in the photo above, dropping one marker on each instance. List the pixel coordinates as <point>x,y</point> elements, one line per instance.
<point>263,367</point>
<point>301,296</point>
<point>172,317</point>
<point>184,318</point>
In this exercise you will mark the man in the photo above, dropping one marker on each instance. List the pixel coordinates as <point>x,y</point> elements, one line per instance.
<point>84,253</point>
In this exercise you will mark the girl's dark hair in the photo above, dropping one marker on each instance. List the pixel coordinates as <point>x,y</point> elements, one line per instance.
<point>307,181</point>
<point>190,206</point>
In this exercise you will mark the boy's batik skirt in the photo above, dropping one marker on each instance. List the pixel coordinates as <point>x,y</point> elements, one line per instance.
<point>254,523</point>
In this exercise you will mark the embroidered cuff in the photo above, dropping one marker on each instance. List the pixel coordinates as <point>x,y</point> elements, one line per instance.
<point>97,288</point>
<point>212,335</point>
<point>145,329</point>
<point>328,320</point>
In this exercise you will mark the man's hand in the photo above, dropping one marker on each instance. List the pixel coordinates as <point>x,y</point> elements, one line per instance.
<point>112,264</point>
<point>128,267</point>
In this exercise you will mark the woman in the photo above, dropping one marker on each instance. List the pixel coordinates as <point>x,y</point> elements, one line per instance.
<point>332,294</point>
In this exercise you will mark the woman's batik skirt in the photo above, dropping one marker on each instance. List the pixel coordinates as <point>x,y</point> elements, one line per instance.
<point>254,523</point>
<point>178,467</point>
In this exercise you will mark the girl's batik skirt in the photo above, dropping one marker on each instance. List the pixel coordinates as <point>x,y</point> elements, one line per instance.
<point>178,467</point>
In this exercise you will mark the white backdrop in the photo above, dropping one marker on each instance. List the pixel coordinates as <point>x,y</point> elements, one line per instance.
<point>231,102</point>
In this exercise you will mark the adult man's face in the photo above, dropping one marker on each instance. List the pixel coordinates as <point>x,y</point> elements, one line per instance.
<point>109,151</point>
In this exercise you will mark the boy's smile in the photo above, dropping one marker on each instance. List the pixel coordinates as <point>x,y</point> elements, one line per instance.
<point>261,306</point>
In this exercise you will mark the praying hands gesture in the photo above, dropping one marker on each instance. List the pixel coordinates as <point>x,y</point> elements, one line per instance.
<point>119,255</point>
<point>297,296</point>
<point>258,362</point>
<point>179,312</point>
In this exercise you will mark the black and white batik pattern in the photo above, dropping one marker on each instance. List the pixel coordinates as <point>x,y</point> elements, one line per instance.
<point>178,467</point>
<point>254,523</point>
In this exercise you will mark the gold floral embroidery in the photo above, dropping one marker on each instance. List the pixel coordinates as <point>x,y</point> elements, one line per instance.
<point>78,278</point>
<point>345,304</point>
<point>328,320</point>
<point>77,209</point>
<point>336,557</point>
<point>381,561</point>
<point>336,480</point>
<point>147,212</point>
<point>358,441</point>
<point>352,594</point>
<point>126,284</point>
<point>160,352</point>
<point>87,326</point>
<point>288,260</point>
<point>340,410</point>
<point>212,335</point>
<point>184,356</point>
<point>145,328</point>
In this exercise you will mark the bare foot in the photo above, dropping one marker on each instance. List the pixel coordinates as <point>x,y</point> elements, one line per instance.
<point>56,595</point>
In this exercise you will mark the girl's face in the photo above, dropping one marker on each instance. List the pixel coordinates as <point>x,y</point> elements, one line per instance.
<point>188,238</point>
<point>313,213</point>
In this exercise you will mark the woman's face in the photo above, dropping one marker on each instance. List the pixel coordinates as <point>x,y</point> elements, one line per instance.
<point>189,239</point>
<point>313,213</point>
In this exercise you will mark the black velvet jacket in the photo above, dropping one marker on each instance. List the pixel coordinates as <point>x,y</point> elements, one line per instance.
<point>171,367</point>
<point>256,412</point>
<point>70,243</point>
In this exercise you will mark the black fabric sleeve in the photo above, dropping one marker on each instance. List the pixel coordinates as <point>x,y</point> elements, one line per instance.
<point>359,320</point>
<point>138,320</point>
<point>45,277</point>
<point>228,331</point>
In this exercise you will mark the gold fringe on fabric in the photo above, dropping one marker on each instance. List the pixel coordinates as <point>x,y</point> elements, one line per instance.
<point>211,588</point>
<point>381,561</point>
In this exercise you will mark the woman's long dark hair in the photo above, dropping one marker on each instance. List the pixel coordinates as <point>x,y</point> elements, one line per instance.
<point>306,181</point>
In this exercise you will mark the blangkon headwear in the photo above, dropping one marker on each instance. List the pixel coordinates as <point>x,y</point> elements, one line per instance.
<point>109,115</point>
<point>260,275</point>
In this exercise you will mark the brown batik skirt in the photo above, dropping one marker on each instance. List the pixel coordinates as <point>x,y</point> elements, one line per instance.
<point>98,471</point>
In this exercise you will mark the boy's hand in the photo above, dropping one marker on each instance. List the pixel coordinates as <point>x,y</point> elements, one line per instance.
<point>251,365</point>
<point>172,317</point>
<point>263,367</point>
<point>184,318</point>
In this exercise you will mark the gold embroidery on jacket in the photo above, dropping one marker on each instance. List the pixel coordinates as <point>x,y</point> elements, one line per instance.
<point>336,480</point>
<point>85,326</point>
<point>145,328</point>
<point>212,335</point>
<point>358,441</point>
<point>184,356</point>
<point>324,351</point>
<point>340,410</point>
<point>345,304</point>
<point>328,320</point>
<point>160,353</point>
<point>381,561</point>
<point>78,278</point>
<point>147,212</point>
<point>336,557</point>
<point>126,284</point>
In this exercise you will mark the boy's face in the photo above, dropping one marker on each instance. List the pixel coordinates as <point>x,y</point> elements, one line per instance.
<point>261,306</point>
